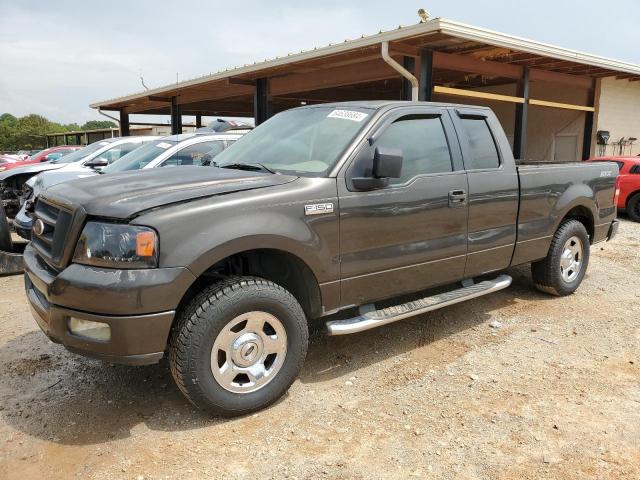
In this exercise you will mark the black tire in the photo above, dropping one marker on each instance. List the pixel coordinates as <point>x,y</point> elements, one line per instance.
<point>546,273</point>
<point>193,337</point>
<point>633,207</point>
<point>6,244</point>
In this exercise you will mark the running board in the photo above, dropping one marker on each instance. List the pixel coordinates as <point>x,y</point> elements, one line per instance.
<point>376,318</point>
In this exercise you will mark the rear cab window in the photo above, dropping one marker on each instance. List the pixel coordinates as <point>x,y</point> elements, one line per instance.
<point>483,151</point>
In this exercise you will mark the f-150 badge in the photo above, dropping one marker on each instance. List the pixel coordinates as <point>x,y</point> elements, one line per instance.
<point>318,208</point>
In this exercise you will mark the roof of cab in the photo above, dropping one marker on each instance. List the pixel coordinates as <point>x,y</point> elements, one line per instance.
<point>379,104</point>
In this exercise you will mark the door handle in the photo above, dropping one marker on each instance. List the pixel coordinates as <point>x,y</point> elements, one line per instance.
<point>457,198</point>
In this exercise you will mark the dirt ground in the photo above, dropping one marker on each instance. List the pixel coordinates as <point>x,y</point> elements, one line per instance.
<point>552,392</point>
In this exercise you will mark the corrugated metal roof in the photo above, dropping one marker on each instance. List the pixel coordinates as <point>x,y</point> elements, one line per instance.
<point>447,27</point>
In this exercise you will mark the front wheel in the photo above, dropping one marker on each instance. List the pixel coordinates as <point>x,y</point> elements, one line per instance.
<point>562,270</point>
<point>238,346</point>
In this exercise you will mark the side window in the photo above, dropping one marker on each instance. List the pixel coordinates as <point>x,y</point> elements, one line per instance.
<point>635,169</point>
<point>199,154</point>
<point>120,151</point>
<point>484,153</point>
<point>423,143</point>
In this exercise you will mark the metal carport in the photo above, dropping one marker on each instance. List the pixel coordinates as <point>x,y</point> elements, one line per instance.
<point>451,61</point>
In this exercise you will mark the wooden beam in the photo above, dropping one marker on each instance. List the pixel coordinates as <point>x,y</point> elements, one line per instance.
<point>462,63</point>
<point>555,77</point>
<point>370,71</point>
<point>475,94</point>
<point>566,106</point>
<point>215,93</point>
<point>582,70</point>
<point>491,52</point>
<point>221,105</point>
<point>240,81</point>
<point>156,98</point>
<point>143,107</point>
<point>396,48</point>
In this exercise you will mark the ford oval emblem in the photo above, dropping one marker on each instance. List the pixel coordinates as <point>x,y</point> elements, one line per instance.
<point>38,227</point>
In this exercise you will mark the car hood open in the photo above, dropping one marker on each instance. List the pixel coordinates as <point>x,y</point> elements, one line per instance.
<point>127,194</point>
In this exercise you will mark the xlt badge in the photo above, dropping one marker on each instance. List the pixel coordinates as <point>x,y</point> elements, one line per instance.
<point>318,208</point>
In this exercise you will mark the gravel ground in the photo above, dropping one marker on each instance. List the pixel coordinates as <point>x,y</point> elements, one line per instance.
<point>513,385</point>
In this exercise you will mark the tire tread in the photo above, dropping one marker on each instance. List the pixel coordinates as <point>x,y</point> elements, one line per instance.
<point>545,274</point>
<point>186,335</point>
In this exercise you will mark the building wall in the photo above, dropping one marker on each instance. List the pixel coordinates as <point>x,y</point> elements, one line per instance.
<point>619,113</point>
<point>552,132</point>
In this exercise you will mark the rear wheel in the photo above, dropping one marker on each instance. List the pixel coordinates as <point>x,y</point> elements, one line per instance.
<point>238,346</point>
<point>633,208</point>
<point>562,270</point>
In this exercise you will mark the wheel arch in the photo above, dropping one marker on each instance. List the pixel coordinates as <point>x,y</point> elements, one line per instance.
<point>263,259</point>
<point>584,215</point>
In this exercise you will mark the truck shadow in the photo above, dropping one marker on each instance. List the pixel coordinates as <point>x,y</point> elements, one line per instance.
<point>54,395</point>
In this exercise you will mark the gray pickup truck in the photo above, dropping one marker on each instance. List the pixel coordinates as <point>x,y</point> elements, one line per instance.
<point>339,213</point>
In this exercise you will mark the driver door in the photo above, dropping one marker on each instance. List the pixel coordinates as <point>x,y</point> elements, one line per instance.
<point>411,234</point>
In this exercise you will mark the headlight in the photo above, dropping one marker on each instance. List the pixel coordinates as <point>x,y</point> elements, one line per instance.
<point>114,245</point>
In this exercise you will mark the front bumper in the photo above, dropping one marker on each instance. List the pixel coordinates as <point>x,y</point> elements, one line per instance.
<point>138,305</point>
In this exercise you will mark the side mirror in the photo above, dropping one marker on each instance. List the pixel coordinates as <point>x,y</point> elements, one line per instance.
<point>387,163</point>
<point>99,162</point>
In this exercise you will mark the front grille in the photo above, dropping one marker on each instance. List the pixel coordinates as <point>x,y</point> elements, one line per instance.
<point>50,243</point>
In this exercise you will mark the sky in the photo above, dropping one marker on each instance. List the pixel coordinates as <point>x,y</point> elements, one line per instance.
<point>58,57</point>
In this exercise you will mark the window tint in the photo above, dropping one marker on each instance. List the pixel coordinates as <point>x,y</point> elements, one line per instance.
<point>484,153</point>
<point>423,143</point>
<point>635,169</point>
<point>198,154</point>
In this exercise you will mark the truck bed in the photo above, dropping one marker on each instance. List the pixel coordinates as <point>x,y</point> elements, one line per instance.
<point>548,190</point>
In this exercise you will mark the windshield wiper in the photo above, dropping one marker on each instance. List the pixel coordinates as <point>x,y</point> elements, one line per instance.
<point>256,167</point>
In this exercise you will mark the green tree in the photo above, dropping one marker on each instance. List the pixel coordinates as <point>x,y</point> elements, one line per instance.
<point>97,124</point>
<point>29,132</point>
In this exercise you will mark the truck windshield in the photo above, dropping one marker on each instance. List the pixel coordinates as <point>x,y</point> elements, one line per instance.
<point>304,141</point>
<point>80,154</point>
<point>141,157</point>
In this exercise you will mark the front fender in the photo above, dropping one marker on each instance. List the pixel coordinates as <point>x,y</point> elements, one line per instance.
<point>199,234</point>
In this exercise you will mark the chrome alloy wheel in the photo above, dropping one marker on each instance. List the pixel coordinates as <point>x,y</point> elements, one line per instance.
<point>249,351</point>
<point>571,259</point>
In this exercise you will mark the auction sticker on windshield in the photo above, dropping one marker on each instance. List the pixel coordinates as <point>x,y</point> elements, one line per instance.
<point>348,115</point>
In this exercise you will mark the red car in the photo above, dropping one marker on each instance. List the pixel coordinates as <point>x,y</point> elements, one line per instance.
<point>43,156</point>
<point>627,185</point>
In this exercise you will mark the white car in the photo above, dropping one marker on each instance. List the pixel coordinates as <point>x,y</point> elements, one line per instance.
<point>176,150</point>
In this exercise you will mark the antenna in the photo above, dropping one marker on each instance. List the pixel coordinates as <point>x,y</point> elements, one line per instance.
<point>142,81</point>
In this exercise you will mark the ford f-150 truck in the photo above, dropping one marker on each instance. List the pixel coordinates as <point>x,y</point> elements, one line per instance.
<point>350,214</point>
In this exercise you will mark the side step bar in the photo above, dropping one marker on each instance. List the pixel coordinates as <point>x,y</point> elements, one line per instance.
<point>376,318</point>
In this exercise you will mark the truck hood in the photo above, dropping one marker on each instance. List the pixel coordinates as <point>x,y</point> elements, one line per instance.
<point>127,194</point>
<point>33,168</point>
<point>48,179</point>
